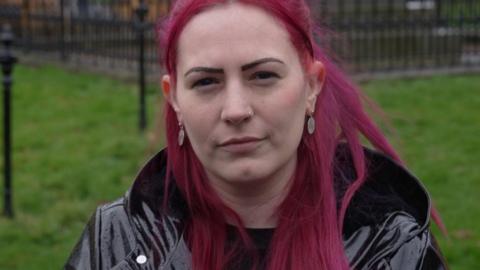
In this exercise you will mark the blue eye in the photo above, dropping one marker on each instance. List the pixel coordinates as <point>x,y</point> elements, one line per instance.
<point>204,82</point>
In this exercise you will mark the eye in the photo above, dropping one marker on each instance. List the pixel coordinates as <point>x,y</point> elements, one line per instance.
<point>204,82</point>
<point>264,75</point>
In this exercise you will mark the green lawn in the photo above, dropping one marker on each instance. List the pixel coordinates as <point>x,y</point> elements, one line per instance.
<point>76,145</point>
<point>438,134</point>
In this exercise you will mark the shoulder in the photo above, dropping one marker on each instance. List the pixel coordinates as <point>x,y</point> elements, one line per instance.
<point>387,222</point>
<point>137,222</point>
<point>115,226</point>
<point>135,225</point>
<point>108,234</point>
<point>399,242</point>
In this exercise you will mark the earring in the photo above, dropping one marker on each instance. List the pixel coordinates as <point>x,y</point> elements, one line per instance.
<point>310,125</point>
<point>181,135</point>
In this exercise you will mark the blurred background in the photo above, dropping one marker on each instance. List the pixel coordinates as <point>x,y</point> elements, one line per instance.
<point>82,110</point>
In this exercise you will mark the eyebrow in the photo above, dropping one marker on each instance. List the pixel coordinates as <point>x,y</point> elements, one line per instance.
<point>244,67</point>
<point>261,61</point>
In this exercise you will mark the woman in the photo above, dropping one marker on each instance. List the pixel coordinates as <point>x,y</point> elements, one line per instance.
<point>264,168</point>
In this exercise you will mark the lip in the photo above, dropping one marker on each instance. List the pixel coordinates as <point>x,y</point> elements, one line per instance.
<point>240,144</point>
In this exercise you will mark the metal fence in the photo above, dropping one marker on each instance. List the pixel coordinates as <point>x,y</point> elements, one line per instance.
<point>367,35</point>
<point>381,35</point>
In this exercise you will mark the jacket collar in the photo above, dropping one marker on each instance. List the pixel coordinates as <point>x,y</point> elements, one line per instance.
<point>158,230</point>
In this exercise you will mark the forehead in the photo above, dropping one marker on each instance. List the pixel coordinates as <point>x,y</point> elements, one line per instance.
<point>233,33</point>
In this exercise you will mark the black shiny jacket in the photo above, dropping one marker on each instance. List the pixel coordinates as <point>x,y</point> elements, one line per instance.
<point>386,225</point>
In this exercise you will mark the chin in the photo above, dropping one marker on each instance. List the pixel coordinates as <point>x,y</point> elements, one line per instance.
<point>243,177</point>
<point>245,173</point>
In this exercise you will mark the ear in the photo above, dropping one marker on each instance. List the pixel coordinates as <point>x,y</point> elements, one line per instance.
<point>171,95</point>
<point>315,80</point>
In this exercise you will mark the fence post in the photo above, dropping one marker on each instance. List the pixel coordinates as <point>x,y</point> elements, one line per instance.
<point>7,61</point>
<point>141,12</point>
<point>27,31</point>
<point>63,54</point>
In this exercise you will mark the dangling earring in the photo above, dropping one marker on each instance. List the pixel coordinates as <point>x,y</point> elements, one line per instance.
<point>310,124</point>
<point>181,135</point>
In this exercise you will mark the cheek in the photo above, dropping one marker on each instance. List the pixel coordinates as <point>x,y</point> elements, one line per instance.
<point>294,99</point>
<point>198,122</point>
<point>288,114</point>
<point>291,103</point>
<point>198,118</point>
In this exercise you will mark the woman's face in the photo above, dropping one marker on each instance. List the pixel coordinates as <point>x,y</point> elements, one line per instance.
<point>242,94</point>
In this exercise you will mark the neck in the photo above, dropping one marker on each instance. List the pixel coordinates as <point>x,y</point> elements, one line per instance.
<point>256,201</point>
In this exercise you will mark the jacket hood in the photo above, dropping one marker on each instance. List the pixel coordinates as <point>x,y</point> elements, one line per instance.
<point>389,187</point>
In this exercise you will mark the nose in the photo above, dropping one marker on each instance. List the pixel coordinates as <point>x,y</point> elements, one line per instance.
<point>236,106</point>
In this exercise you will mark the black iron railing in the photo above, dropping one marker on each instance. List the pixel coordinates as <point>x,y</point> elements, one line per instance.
<point>368,35</point>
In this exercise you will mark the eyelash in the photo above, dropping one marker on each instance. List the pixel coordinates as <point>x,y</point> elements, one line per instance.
<point>204,82</point>
<point>263,73</point>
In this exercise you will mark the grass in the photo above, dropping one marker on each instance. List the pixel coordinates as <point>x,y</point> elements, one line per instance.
<point>437,121</point>
<point>76,145</point>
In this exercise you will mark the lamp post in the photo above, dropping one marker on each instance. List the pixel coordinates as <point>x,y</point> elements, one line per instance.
<point>7,60</point>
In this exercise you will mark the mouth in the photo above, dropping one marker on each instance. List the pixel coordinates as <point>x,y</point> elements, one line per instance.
<point>241,144</point>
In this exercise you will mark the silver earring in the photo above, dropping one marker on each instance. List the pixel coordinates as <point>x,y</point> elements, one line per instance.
<point>181,135</point>
<point>310,125</point>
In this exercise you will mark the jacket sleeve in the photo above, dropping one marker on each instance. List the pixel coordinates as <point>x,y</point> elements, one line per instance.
<point>85,254</point>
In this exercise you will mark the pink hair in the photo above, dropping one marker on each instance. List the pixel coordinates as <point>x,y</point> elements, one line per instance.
<point>309,232</point>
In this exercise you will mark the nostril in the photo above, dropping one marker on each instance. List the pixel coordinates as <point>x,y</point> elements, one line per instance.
<point>237,117</point>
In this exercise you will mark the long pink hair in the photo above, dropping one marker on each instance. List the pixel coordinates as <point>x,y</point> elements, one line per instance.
<point>309,230</point>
